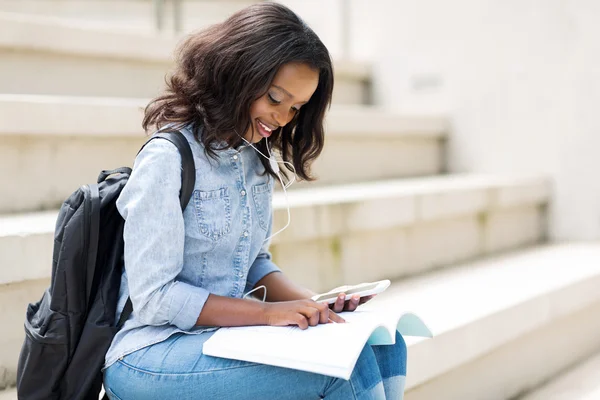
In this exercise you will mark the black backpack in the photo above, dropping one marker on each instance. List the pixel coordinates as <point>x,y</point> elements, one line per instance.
<point>70,329</point>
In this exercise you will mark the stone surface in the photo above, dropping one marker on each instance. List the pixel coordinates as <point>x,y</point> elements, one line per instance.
<point>14,298</point>
<point>8,394</point>
<point>61,143</point>
<point>502,324</point>
<point>519,364</point>
<point>493,320</point>
<point>26,246</point>
<point>512,227</point>
<point>95,62</point>
<point>580,382</point>
<point>123,15</point>
<point>336,231</point>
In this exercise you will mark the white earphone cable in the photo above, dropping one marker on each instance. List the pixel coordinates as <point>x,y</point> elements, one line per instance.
<point>255,289</point>
<point>273,162</point>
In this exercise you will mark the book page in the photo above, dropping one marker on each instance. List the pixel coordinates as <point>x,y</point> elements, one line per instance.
<point>330,349</point>
<point>381,325</point>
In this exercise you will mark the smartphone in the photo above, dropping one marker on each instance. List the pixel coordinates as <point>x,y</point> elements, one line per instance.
<point>363,289</point>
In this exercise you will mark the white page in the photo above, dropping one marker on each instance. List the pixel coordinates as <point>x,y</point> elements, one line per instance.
<point>382,326</point>
<point>330,349</point>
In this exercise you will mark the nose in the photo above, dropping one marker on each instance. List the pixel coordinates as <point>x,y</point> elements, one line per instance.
<point>281,119</point>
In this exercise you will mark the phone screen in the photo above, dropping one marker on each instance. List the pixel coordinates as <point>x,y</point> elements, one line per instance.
<point>357,289</point>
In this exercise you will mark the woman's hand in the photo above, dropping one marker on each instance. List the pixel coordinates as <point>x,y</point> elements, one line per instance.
<point>350,305</point>
<point>303,313</point>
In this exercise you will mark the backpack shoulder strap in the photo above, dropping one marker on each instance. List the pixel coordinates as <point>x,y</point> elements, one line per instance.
<point>188,181</point>
<point>93,211</point>
<point>188,174</point>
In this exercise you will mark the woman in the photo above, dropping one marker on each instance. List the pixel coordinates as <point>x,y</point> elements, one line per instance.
<point>262,78</point>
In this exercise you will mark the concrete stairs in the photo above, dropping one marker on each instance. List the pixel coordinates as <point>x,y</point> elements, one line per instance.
<point>9,394</point>
<point>45,56</point>
<point>494,321</point>
<point>124,16</point>
<point>502,325</point>
<point>580,382</point>
<point>384,207</point>
<point>77,137</point>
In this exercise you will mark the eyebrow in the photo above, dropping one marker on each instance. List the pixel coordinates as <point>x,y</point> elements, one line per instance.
<point>288,93</point>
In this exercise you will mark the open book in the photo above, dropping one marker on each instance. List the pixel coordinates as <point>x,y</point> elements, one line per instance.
<point>328,349</point>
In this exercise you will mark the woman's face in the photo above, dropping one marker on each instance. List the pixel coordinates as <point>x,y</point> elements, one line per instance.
<point>292,87</point>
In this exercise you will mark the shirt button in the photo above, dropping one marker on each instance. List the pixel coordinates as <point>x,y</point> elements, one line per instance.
<point>235,157</point>
<point>241,274</point>
<point>246,234</point>
<point>243,192</point>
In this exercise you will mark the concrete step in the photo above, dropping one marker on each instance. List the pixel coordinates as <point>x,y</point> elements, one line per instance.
<point>501,325</point>
<point>579,382</point>
<point>139,16</point>
<point>124,15</point>
<point>404,227</point>
<point>82,61</point>
<point>53,144</point>
<point>8,394</point>
<point>398,228</point>
<point>505,324</point>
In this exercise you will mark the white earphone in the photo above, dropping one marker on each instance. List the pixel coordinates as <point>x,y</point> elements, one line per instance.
<point>275,167</point>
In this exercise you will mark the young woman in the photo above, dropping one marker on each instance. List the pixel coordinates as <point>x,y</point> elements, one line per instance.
<point>260,80</point>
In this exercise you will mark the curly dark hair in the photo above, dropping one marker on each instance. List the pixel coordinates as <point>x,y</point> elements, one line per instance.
<point>221,70</point>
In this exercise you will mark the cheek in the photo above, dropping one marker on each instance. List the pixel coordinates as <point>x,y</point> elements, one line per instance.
<point>258,108</point>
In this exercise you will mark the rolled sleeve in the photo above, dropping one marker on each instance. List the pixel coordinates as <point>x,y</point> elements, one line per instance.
<point>185,303</point>
<point>154,236</point>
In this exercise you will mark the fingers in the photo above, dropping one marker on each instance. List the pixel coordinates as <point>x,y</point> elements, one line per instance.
<point>336,318</point>
<point>338,306</point>
<point>323,312</point>
<point>363,300</point>
<point>342,305</point>
<point>315,313</point>
<point>352,303</point>
<point>300,320</point>
<point>312,315</point>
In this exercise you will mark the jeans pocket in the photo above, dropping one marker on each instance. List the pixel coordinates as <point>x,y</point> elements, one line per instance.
<point>262,202</point>
<point>213,212</point>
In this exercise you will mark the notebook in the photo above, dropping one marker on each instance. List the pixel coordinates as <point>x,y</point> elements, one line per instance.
<point>329,349</point>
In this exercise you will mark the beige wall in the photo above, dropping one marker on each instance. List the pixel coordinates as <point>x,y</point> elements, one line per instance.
<point>520,80</point>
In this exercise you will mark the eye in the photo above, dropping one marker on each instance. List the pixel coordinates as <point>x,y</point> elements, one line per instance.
<point>295,109</point>
<point>272,99</point>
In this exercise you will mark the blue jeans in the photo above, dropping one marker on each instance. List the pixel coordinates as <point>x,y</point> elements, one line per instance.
<point>177,369</point>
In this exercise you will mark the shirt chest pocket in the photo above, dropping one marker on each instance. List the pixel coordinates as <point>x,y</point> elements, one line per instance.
<point>262,203</point>
<point>213,212</point>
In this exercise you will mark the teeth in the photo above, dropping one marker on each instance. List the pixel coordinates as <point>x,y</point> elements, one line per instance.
<point>266,127</point>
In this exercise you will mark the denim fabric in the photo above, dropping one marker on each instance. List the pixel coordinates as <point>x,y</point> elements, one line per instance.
<point>176,369</point>
<point>173,260</point>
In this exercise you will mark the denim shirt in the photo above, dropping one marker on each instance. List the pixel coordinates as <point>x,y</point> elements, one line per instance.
<point>173,260</point>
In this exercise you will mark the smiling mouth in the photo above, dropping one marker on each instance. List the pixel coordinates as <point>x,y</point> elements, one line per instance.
<point>263,129</point>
